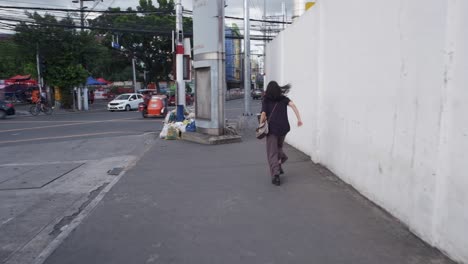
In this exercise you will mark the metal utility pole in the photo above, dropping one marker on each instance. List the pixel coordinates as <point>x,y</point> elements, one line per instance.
<point>179,62</point>
<point>264,43</point>
<point>81,11</point>
<point>247,91</point>
<point>283,12</point>
<point>82,14</point>
<point>134,76</point>
<point>39,76</point>
<point>264,26</point>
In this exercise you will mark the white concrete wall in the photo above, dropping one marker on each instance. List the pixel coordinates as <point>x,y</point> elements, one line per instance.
<point>382,87</point>
<point>283,69</point>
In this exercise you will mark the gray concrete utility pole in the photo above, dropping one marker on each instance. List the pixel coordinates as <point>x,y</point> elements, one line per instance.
<point>247,91</point>
<point>209,64</point>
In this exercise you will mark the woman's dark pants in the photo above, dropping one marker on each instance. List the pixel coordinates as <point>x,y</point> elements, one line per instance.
<point>275,154</point>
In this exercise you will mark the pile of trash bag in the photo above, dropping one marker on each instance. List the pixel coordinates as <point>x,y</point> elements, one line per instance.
<point>173,130</point>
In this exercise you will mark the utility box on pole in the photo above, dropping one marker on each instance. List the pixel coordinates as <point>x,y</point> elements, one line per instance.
<point>209,66</point>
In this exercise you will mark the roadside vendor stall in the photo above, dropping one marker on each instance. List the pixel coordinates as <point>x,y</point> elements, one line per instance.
<point>98,88</point>
<point>18,88</point>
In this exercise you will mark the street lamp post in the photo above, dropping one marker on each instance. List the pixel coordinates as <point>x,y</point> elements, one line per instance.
<point>247,72</point>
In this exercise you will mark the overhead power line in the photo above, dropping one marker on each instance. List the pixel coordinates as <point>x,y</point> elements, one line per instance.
<point>189,12</point>
<point>260,20</point>
<point>23,2</point>
<point>90,11</point>
<point>113,29</point>
<point>88,27</point>
<point>131,12</point>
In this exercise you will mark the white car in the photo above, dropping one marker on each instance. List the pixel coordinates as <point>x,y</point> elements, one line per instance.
<point>125,102</point>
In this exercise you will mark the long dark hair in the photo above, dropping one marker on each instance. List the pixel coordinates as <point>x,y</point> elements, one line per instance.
<point>275,92</point>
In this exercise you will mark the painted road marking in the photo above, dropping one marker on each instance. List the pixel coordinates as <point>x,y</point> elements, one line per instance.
<point>72,124</point>
<point>69,136</point>
<point>76,121</point>
<point>43,121</point>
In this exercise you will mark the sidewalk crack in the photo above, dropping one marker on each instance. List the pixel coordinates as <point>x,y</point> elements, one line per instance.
<point>65,221</point>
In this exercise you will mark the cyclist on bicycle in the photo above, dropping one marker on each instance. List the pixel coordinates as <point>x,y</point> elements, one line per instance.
<point>43,97</point>
<point>41,105</point>
<point>43,100</point>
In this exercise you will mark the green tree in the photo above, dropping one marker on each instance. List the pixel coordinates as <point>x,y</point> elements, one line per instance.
<point>67,52</point>
<point>8,62</point>
<point>152,51</point>
<point>13,61</point>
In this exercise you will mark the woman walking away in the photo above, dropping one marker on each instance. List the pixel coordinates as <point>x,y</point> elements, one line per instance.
<point>274,109</point>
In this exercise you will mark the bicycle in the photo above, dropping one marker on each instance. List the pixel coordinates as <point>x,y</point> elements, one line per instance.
<point>40,107</point>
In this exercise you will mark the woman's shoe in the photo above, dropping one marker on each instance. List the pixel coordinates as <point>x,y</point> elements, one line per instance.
<point>276,180</point>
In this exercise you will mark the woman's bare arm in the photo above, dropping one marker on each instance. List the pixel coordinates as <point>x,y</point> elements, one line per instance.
<point>262,117</point>
<point>296,111</point>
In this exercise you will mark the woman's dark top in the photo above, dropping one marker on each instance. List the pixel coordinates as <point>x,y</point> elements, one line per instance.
<point>278,123</point>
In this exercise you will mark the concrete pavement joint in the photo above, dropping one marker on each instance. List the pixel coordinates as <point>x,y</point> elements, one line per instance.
<point>11,258</point>
<point>85,212</point>
<point>66,230</point>
<point>32,188</point>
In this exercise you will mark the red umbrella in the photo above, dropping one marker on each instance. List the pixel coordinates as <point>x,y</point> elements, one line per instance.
<point>102,80</point>
<point>19,78</point>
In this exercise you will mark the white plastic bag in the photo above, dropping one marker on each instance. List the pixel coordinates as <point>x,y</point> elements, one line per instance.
<point>180,126</point>
<point>163,133</point>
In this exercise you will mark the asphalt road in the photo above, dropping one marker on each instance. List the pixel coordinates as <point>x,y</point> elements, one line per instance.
<point>61,126</point>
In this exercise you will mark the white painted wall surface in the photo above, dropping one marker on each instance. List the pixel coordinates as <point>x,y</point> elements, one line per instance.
<point>382,87</point>
<point>451,228</point>
<point>283,69</point>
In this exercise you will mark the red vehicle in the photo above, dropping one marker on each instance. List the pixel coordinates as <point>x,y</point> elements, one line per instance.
<point>6,109</point>
<point>156,106</point>
<point>188,100</point>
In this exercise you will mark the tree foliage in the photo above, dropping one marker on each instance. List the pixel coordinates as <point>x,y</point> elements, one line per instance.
<point>152,51</point>
<point>71,54</point>
<point>63,49</point>
<point>11,61</point>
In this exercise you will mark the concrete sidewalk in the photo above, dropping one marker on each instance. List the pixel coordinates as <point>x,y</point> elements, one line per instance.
<point>190,203</point>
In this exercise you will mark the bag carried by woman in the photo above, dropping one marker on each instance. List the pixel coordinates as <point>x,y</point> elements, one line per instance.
<point>262,129</point>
